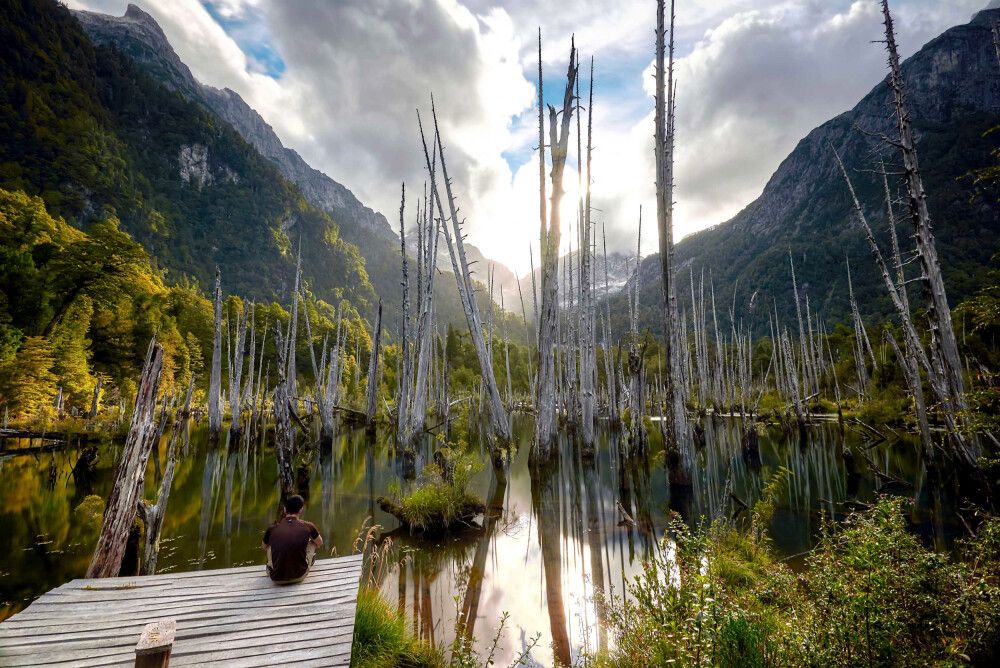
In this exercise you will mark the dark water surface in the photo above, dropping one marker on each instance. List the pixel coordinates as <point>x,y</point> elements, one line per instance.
<point>558,539</point>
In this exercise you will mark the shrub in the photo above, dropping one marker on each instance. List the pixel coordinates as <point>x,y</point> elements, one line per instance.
<point>870,594</point>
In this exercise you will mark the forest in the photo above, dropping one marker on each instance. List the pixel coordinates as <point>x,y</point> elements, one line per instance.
<point>687,470</point>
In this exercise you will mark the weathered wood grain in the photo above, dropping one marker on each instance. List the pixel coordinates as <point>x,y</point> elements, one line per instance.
<point>235,616</point>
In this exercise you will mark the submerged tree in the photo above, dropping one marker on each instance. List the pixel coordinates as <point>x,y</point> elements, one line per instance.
<point>674,419</point>
<point>546,421</point>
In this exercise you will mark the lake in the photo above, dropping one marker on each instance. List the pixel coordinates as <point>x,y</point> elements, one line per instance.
<point>558,537</point>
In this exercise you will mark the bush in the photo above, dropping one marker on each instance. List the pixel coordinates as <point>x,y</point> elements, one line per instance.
<point>871,594</point>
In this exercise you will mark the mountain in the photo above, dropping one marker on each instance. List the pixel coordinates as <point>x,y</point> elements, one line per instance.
<point>86,129</point>
<point>953,91</point>
<point>137,35</point>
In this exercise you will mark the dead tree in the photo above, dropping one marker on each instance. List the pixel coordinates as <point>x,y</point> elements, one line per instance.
<point>291,375</point>
<point>152,514</point>
<point>676,430</point>
<point>614,418</point>
<point>427,270</point>
<point>120,513</point>
<point>284,435</point>
<point>215,379</point>
<point>403,389</point>
<point>373,368</point>
<point>95,402</point>
<point>588,354</point>
<point>236,354</point>
<point>499,421</point>
<point>944,346</point>
<point>860,337</point>
<point>916,357</point>
<point>546,423</point>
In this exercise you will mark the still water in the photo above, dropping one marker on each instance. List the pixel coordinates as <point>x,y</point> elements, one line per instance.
<point>582,527</point>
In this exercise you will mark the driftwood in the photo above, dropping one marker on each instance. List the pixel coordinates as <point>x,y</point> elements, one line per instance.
<point>120,513</point>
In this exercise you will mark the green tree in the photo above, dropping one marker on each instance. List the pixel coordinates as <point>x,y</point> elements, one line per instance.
<point>71,352</point>
<point>27,383</point>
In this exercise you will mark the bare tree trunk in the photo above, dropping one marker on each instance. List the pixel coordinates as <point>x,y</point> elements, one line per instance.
<point>664,121</point>
<point>236,368</point>
<point>425,337</point>
<point>291,375</point>
<point>944,347</point>
<point>97,396</point>
<point>152,514</point>
<point>966,452</point>
<point>284,435</point>
<point>546,423</point>
<point>215,379</point>
<point>373,367</point>
<point>123,502</point>
<point>499,420</point>
<point>403,390</point>
<point>609,370</point>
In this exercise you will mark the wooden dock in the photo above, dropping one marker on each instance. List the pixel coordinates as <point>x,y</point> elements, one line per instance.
<point>231,616</point>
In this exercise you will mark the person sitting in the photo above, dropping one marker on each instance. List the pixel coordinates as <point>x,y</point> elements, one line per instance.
<point>291,544</point>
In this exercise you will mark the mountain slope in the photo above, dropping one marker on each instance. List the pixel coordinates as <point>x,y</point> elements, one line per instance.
<point>90,133</point>
<point>953,86</point>
<point>137,35</point>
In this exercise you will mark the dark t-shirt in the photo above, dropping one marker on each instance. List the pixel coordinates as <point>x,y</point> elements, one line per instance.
<point>288,539</point>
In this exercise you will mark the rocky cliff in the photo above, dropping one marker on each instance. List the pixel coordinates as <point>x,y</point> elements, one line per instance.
<point>953,88</point>
<point>139,36</point>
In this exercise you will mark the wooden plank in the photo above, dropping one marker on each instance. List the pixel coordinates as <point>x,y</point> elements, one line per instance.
<point>303,591</point>
<point>94,629</point>
<point>254,641</point>
<point>332,655</point>
<point>234,616</point>
<point>320,565</point>
<point>55,612</point>
<point>84,629</point>
<point>347,580</point>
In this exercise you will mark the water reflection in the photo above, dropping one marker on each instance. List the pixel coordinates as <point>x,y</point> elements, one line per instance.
<point>552,540</point>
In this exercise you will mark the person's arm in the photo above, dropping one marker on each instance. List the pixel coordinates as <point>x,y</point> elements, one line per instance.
<point>315,537</point>
<point>267,538</point>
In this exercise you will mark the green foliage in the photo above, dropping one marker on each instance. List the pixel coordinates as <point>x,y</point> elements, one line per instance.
<point>870,594</point>
<point>27,382</point>
<point>71,350</point>
<point>91,134</point>
<point>382,639</point>
<point>442,498</point>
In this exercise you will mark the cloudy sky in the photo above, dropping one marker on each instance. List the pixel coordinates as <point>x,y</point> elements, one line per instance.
<point>340,80</point>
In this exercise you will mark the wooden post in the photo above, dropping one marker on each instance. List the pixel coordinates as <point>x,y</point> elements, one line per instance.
<point>155,644</point>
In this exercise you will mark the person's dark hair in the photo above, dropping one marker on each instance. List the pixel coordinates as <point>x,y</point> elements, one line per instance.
<point>294,504</point>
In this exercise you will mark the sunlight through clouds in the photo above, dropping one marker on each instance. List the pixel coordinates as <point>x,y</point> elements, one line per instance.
<point>340,82</point>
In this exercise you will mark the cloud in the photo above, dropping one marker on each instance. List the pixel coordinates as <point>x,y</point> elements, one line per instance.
<point>754,77</point>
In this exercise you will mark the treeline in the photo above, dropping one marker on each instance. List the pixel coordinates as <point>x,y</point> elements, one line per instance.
<point>78,308</point>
